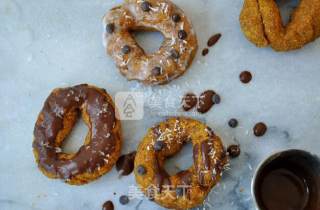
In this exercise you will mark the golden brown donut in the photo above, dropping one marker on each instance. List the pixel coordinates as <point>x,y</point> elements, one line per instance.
<point>55,121</point>
<point>262,25</point>
<point>174,56</point>
<point>189,188</point>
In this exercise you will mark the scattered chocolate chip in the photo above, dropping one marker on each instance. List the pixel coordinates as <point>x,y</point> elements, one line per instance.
<point>245,77</point>
<point>125,164</point>
<point>158,146</point>
<point>182,34</point>
<point>233,151</point>
<point>216,99</point>
<point>180,192</point>
<point>205,51</point>
<point>233,123</point>
<point>145,6</point>
<point>176,18</point>
<point>124,199</point>
<point>174,54</point>
<point>189,101</point>
<point>126,49</point>
<point>108,205</point>
<point>260,129</point>
<point>213,40</point>
<point>205,101</point>
<point>141,170</point>
<point>156,71</point>
<point>110,28</point>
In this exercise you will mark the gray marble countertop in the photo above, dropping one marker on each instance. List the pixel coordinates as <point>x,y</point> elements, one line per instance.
<point>48,44</point>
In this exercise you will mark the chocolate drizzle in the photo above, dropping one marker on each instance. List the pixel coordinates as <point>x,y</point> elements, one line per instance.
<point>161,177</point>
<point>196,156</point>
<point>205,154</point>
<point>63,103</point>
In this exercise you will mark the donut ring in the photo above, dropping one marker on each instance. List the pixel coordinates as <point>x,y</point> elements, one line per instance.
<point>174,56</point>
<point>165,140</point>
<point>261,23</point>
<point>102,144</point>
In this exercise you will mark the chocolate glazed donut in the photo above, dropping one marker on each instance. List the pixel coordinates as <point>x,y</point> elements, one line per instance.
<point>188,188</point>
<point>174,56</point>
<point>102,144</point>
<point>261,23</point>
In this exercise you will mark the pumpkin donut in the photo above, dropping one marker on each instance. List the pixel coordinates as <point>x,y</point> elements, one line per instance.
<point>174,56</point>
<point>186,189</point>
<point>261,23</point>
<point>102,144</point>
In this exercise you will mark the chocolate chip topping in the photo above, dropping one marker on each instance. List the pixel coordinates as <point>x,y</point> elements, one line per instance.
<point>245,77</point>
<point>158,146</point>
<point>141,170</point>
<point>125,164</point>
<point>182,34</point>
<point>216,99</point>
<point>233,151</point>
<point>189,101</point>
<point>213,40</point>
<point>205,101</point>
<point>124,199</point>
<point>233,123</point>
<point>156,71</point>
<point>260,129</point>
<point>91,156</point>
<point>145,6</point>
<point>126,49</point>
<point>174,54</point>
<point>110,28</point>
<point>108,205</point>
<point>205,51</point>
<point>176,18</point>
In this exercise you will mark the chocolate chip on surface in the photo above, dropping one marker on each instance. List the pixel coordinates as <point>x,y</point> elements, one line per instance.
<point>189,101</point>
<point>213,40</point>
<point>108,205</point>
<point>234,151</point>
<point>216,99</point>
<point>233,123</point>
<point>260,129</point>
<point>245,77</point>
<point>205,51</point>
<point>124,199</point>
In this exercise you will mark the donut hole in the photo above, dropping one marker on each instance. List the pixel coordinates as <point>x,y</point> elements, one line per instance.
<point>180,161</point>
<point>76,138</point>
<point>286,8</point>
<point>149,41</point>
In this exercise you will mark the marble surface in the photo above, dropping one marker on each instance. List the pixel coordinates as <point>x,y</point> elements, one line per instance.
<point>48,44</point>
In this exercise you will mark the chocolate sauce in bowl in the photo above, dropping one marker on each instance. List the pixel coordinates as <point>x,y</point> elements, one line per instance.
<point>290,181</point>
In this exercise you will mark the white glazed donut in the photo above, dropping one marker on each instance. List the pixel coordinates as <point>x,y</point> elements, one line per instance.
<point>175,54</point>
